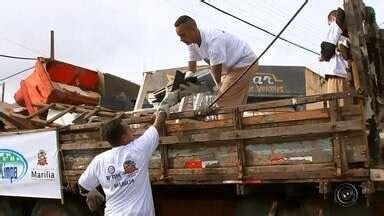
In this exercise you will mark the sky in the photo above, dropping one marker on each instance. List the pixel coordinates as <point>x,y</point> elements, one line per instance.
<point>126,37</point>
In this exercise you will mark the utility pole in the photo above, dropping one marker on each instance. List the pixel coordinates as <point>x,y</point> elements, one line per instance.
<point>52,57</point>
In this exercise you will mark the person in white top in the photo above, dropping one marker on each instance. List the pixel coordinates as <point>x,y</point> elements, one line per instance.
<point>227,55</point>
<point>123,172</point>
<point>333,50</point>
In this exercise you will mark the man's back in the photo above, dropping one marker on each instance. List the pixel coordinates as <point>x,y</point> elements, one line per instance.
<point>123,174</point>
<point>221,47</point>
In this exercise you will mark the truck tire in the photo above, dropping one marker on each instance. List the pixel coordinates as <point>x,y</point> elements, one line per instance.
<point>54,208</point>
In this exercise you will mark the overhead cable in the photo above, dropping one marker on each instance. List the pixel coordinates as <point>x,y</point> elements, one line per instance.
<point>261,29</point>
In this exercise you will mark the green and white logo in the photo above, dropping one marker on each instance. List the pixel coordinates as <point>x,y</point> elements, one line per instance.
<point>13,165</point>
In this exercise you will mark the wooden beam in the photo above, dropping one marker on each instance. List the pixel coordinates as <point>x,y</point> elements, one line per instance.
<point>195,114</point>
<point>40,111</point>
<point>85,145</point>
<point>164,161</point>
<point>37,122</point>
<point>240,146</point>
<point>321,128</point>
<point>18,123</point>
<point>60,114</point>
<point>91,113</point>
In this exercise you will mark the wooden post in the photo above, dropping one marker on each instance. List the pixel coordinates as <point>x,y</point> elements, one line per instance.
<point>52,57</point>
<point>143,91</point>
<point>339,148</point>
<point>164,158</point>
<point>3,92</point>
<point>237,122</point>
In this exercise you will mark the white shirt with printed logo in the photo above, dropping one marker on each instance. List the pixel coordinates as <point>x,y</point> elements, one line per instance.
<point>123,174</point>
<point>220,47</point>
<point>337,64</point>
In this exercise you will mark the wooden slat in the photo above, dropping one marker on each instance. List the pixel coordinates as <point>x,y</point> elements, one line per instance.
<point>18,123</point>
<point>297,168</point>
<point>75,137</point>
<point>240,149</point>
<point>248,107</point>
<point>85,145</point>
<point>198,125</point>
<point>164,158</point>
<point>79,119</point>
<point>37,122</point>
<point>42,110</point>
<point>91,113</point>
<point>61,114</point>
<point>320,128</point>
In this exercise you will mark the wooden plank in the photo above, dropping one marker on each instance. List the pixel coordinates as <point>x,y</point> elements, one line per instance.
<point>229,177</point>
<point>164,158</point>
<point>18,123</point>
<point>222,154</point>
<point>61,114</point>
<point>75,137</point>
<point>297,168</point>
<point>91,113</point>
<point>95,125</point>
<point>241,157</point>
<point>354,23</point>
<point>85,145</point>
<point>40,111</point>
<point>290,153</point>
<point>284,117</point>
<point>247,107</point>
<point>321,128</point>
<point>37,122</point>
<point>198,125</point>
<point>357,149</point>
<point>79,119</point>
<point>333,113</point>
<point>291,102</point>
<point>292,175</point>
<point>205,171</point>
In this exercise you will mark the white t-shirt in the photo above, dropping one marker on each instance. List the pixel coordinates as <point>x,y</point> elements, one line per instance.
<point>219,47</point>
<point>123,174</point>
<point>337,64</point>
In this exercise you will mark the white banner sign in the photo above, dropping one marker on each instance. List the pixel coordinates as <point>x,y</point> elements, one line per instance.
<point>29,165</point>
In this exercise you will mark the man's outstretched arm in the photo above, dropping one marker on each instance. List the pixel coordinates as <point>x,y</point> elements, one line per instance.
<point>161,116</point>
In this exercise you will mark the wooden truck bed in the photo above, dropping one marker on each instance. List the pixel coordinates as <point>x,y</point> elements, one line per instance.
<point>327,144</point>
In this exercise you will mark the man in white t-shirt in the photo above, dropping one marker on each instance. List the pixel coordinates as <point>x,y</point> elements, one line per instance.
<point>331,49</point>
<point>123,172</point>
<point>227,55</point>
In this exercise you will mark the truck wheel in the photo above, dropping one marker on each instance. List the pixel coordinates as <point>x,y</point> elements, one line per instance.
<point>54,208</point>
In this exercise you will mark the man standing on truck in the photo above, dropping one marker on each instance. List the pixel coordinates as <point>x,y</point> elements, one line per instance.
<point>122,171</point>
<point>334,50</point>
<point>227,55</point>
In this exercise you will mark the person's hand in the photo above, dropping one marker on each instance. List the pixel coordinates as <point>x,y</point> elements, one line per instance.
<point>188,74</point>
<point>163,106</point>
<point>95,200</point>
<point>189,88</point>
<point>170,99</point>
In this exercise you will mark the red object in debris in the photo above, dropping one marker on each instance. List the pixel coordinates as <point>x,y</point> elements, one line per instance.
<point>193,164</point>
<point>53,81</point>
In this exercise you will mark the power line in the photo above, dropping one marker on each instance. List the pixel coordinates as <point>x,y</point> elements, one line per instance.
<point>292,33</point>
<point>15,74</point>
<point>17,57</point>
<point>259,28</point>
<point>209,20</point>
<point>21,45</point>
<point>257,59</point>
<point>276,12</point>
